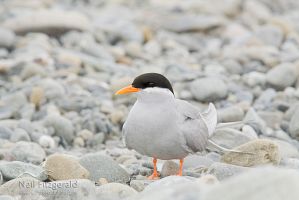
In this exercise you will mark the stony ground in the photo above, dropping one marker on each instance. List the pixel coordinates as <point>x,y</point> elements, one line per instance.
<point>60,124</point>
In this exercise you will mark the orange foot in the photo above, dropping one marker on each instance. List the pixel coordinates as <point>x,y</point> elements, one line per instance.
<point>181,168</point>
<point>155,174</point>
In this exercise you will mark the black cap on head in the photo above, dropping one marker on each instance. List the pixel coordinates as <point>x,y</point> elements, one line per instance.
<point>151,80</point>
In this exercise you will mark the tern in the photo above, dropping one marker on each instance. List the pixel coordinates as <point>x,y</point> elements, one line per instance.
<point>164,127</point>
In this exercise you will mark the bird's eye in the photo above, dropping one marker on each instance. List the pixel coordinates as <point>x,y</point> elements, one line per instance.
<point>150,84</point>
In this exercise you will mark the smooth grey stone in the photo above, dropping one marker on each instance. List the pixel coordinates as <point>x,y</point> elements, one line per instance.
<point>276,77</point>
<point>73,189</point>
<point>100,166</point>
<point>5,133</point>
<point>53,22</point>
<point>28,152</point>
<point>255,121</point>
<point>62,126</point>
<point>294,125</point>
<point>14,169</point>
<point>208,89</point>
<point>223,171</point>
<point>114,191</point>
<point>285,182</point>
<point>7,38</point>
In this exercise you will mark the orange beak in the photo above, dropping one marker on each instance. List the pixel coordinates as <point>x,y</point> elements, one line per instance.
<point>128,89</point>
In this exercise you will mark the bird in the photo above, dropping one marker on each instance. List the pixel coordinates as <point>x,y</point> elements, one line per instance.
<point>161,126</point>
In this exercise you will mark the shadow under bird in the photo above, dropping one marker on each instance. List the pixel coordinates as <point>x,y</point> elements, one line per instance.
<point>162,126</point>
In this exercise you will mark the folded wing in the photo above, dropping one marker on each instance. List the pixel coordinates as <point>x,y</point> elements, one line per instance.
<point>196,127</point>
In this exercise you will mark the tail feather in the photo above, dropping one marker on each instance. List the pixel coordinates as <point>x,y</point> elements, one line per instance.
<point>210,118</point>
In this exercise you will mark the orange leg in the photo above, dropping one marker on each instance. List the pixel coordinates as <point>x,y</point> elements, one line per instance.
<point>181,167</point>
<point>155,174</point>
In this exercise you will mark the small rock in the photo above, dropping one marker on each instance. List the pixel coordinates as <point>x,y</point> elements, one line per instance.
<point>169,168</point>
<point>15,169</point>
<point>46,141</point>
<point>85,134</point>
<point>19,186</point>
<point>197,161</point>
<point>62,126</point>
<point>187,23</point>
<point>254,79</point>
<point>53,22</point>
<point>28,152</point>
<point>270,35</point>
<point>256,152</point>
<point>64,167</point>
<point>171,187</point>
<point>5,133</point>
<point>255,121</point>
<point>114,191</point>
<point>139,185</point>
<point>101,166</point>
<point>276,77</point>
<point>284,181</point>
<point>223,171</point>
<point>230,114</point>
<point>74,189</point>
<point>7,38</point>
<point>209,89</point>
<point>230,138</point>
<point>294,125</point>
<point>78,142</point>
<point>19,135</point>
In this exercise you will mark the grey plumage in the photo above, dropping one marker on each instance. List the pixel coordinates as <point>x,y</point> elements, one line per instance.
<point>163,127</point>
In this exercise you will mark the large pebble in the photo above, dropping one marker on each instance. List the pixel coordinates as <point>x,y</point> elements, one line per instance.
<point>258,184</point>
<point>169,168</point>
<point>230,138</point>
<point>52,22</point>
<point>19,186</point>
<point>7,38</point>
<point>223,171</point>
<point>62,126</point>
<point>114,191</point>
<point>28,152</point>
<point>256,152</point>
<point>74,189</point>
<point>101,166</point>
<point>64,167</point>
<point>209,89</point>
<point>230,114</point>
<point>276,77</point>
<point>11,170</point>
<point>294,125</point>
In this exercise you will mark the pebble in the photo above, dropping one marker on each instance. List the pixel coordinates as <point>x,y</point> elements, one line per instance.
<point>100,166</point>
<point>46,141</point>
<point>64,167</point>
<point>230,138</point>
<point>257,152</point>
<point>28,152</point>
<point>74,189</point>
<point>61,125</point>
<point>19,135</point>
<point>53,22</point>
<point>230,114</point>
<point>16,169</point>
<point>139,185</point>
<point>114,191</point>
<point>169,168</point>
<point>208,89</point>
<point>241,187</point>
<point>223,170</point>
<point>294,127</point>
<point>8,38</point>
<point>255,121</point>
<point>276,77</point>
<point>15,187</point>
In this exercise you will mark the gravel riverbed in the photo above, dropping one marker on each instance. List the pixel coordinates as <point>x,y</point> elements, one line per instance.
<point>60,122</point>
